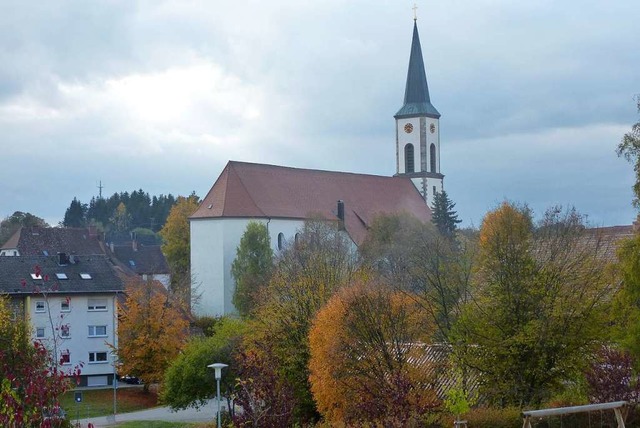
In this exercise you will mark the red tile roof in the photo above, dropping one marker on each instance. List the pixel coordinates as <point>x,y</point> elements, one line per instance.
<point>258,190</point>
<point>609,239</point>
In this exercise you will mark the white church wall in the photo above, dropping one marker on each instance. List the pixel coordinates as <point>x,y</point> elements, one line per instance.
<point>207,261</point>
<point>433,138</point>
<point>288,228</point>
<point>213,249</point>
<point>430,184</point>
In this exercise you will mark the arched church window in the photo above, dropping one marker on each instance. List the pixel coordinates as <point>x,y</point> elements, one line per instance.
<point>432,157</point>
<point>409,165</point>
<point>280,240</point>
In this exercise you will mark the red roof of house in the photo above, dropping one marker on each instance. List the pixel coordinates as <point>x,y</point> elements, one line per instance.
<point>258,190</point>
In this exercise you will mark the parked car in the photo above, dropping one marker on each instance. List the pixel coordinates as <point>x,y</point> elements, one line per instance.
<point>131,380</point>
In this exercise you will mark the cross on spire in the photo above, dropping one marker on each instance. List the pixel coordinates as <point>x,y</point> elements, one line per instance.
<point>415,12</point>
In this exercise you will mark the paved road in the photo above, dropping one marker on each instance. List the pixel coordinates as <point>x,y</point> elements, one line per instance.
<point>206,413</point>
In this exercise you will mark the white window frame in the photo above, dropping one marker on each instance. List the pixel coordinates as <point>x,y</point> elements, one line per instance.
<point>43,309</point>
<point>97,305</point>
<point>65,328</point>
<point>68,355</point>
<point>93,331</point>
<point>94,355</point>
<point>66,301</point>
<point>38,335</point>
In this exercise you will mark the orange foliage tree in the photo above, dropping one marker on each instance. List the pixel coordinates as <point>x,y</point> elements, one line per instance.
<point>177,247</point>
<point>365,344</point>
<point>152,330</point>
<point>307,273</point>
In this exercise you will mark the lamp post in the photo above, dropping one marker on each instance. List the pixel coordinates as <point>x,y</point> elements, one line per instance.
<point>218,373</point>
<point>115,382</point>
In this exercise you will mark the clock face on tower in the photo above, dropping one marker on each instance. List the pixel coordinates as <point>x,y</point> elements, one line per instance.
<point>408,128</point>
<point>432,128</point>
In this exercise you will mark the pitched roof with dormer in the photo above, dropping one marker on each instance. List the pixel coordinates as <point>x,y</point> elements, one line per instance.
<point>33,241</point>
<point>142,259</point>
<point>416,95</point>
<point>79,274</point>
<point>252,190</point>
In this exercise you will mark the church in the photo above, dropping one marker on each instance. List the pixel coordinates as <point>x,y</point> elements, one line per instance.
<point>282,197</point>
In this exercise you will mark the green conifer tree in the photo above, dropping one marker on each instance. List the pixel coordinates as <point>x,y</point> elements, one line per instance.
<point>443,216</point>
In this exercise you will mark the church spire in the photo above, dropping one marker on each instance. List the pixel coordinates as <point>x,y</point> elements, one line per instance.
<point>416,94</point>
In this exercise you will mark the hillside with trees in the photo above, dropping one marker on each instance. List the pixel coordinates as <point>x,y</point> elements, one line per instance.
<point>121,211</point>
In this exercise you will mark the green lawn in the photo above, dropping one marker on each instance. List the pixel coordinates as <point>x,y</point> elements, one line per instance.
<point>99,402</point>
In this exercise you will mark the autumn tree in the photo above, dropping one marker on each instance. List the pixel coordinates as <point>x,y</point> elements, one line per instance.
<point>629,148</point>
<point>252,267</point>
<point>443,216</point>
<point>188,382</point>
<point>627,301</point>
<point>121,219</point>
<point>307,273</point>
<point>415,258</point>
<point>152,330</point>
<point>388,249</point>
<point>30,378</point>
<point>176,248</point>
<point>611,377</point>
<point>266,398</point>
<point>538,304</point>
<point>15,221</point>
<point>365,345</point>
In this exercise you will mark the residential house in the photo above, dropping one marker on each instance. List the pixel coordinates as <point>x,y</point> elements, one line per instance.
<point>142,258</point>
<point>71,303</point>
<point>145,260</point>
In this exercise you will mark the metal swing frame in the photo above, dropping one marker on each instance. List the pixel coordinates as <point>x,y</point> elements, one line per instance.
<point>616,406</point>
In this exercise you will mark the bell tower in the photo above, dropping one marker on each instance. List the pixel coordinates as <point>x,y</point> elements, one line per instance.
<point>418,129</point>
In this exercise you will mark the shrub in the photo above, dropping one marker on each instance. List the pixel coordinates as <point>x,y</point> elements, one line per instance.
<point>485,417</point>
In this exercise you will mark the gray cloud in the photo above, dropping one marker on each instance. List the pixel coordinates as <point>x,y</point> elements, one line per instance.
<point>160,95</point>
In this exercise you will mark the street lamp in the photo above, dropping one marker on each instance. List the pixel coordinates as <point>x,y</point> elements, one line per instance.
<point>218,372</point>
<point>115,382</point>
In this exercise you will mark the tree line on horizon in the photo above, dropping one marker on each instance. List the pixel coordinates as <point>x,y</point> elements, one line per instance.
<point>121,211</point>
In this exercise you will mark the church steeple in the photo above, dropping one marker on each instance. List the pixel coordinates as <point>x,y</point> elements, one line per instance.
<point>416,94</point>
<point>418,130</point>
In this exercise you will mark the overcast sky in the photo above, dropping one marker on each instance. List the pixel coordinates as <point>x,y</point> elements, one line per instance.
<point>160,95</point>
